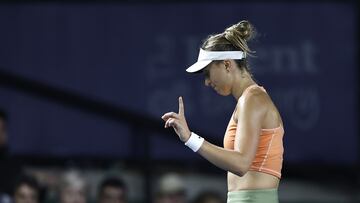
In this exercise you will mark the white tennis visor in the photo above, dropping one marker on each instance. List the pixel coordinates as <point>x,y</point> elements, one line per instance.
<point>206,57</point>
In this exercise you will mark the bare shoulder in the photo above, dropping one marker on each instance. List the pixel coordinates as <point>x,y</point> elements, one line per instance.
<point>256,100</point>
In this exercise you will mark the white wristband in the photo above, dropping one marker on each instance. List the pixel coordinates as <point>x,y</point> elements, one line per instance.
<point>194,142</point>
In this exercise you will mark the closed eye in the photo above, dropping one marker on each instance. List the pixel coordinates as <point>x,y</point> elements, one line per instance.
<point>206,73</point>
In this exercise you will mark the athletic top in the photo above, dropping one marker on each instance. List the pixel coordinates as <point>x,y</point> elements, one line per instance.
<point>269,154</point>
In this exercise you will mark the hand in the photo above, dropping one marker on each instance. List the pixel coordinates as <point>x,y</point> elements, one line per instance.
<point>178,122</point>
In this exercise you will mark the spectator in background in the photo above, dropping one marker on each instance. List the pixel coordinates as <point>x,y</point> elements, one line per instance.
<point>112,190</point>
<point>4,197</point>
<point>10,167</point>
<point>171,189</point>
<point>26,190</point>
<point>3,137</point>
<point>208,197</point>
<point>72,188</point>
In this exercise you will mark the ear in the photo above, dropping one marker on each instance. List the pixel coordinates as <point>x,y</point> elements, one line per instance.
<point>227,64</point>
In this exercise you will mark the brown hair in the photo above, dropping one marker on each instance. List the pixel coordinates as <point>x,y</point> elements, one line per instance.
<point>234,38</point>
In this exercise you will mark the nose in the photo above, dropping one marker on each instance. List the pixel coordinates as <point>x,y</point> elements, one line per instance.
<point>207,81</point>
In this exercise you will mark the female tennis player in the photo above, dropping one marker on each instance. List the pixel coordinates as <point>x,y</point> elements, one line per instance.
<point>253,149</point>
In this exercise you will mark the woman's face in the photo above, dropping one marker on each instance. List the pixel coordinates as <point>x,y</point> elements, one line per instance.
<point>218,77</point>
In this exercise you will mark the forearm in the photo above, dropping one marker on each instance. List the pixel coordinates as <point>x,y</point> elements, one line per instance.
<point>228,160</point>
<point>234,161</point>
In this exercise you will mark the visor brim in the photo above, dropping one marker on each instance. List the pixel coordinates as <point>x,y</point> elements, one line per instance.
<point>198,66</point>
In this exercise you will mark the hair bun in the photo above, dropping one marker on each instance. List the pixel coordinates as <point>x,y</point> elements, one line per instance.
<point>243,29</point>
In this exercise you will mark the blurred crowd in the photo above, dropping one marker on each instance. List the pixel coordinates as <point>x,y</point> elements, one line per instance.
<point>72,186</point>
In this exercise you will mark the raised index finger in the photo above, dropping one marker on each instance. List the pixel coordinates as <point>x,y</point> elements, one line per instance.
<point>181,106</point>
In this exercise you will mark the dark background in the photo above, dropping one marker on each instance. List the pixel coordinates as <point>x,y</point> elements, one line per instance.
<point>89,81</point>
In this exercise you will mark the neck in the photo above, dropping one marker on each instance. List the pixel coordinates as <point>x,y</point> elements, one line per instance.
<point>240,85</point>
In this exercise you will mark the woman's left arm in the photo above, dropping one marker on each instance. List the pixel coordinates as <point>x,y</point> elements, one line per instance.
<point>249,121</point>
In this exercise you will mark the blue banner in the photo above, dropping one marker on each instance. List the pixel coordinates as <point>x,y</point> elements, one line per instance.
<point>135,56</point>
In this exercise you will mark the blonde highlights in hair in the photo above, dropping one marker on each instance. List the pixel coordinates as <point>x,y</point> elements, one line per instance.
<point>234,38</point>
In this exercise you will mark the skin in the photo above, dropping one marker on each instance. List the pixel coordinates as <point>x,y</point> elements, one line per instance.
<point>254,112</point>
<point>26,194</point>
<point>112,195</point>
<point>73,195</point>
<point>3,138</point>
<point>171,198</point>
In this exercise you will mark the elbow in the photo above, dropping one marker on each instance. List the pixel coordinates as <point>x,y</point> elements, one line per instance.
<point>242,168</point>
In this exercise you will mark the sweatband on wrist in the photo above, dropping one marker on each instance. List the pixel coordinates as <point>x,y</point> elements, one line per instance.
<point>194,142</point>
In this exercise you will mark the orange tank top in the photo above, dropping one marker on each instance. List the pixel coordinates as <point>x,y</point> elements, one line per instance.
<point>269,154</point>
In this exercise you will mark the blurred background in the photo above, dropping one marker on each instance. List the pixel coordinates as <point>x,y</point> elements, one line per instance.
<point>83,87</point>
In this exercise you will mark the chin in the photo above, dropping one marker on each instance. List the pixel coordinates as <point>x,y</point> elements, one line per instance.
<point>222,93</point>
